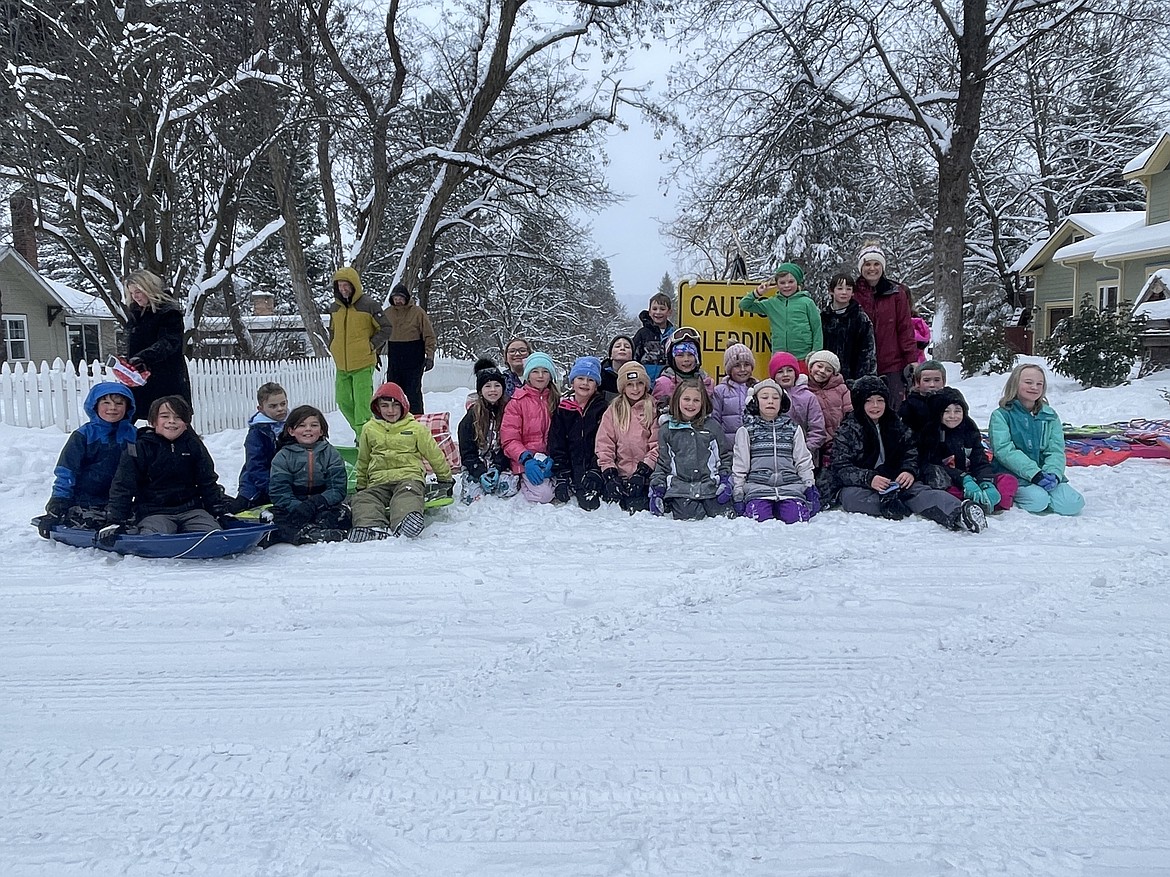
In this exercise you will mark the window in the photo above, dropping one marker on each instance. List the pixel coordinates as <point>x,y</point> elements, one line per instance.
<point>1054,315</point>
<point>16,337</point>
<point>1107,296</point>
<point>84,343</point>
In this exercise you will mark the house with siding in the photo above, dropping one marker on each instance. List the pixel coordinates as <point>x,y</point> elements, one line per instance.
<point>1108,257</point>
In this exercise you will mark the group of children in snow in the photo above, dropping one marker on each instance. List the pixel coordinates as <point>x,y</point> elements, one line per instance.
<point>779,448</point>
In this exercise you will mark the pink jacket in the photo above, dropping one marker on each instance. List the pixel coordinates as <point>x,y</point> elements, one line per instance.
<point>835,401</point>
<point>921,336</point>
<point>525,424</point>
<point>624,450</point>
<point>806,413</point>
<point>669,379</point>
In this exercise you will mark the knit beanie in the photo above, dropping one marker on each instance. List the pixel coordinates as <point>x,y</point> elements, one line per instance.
<point>781,359</point>
<point>826,356</point>
<point>632,371</point>
<point>790,268</point>
<point>766,384</point>
<point>586,367</point>
<point>735,354</point>
<point>400,290</point>
<point>872,252</point>
<point>487,371</point>
<point>539,360</point>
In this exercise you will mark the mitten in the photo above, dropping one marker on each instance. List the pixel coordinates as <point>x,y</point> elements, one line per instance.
<point>740,507</point>
<point>298,515</point>
<point>109,534</point>
<point>489,480</point>
<point>533,468</point>
<point>725,490</point>
<point>812,498</point>
<point>561,490</point>
<point>546,464</point>
<point>639,482</point>
<point>657,501</point>
<point>970,488</point>
<point>1046,480</point>
<point>445,487</point>
<point>613,485</point>
<point>57,506</point>
<point>892,506</point>
<point>991,497</point>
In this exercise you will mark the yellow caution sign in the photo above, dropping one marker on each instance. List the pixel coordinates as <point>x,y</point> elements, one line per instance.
<point>711,307</point>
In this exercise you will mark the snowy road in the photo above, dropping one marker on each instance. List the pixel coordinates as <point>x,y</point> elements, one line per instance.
<point>538,691</point>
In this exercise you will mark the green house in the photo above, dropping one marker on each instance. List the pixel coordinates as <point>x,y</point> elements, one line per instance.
<point>1109,257</point>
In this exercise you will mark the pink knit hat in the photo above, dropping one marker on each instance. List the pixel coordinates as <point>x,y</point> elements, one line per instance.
<point>781,359</point>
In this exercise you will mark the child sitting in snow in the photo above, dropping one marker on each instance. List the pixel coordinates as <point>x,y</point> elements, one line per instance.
<point>264,429</point>
<point>684,361</point>
<point>958,453</point>
<point>572,437</point>
<point>166,481</point>
<point>831,391</point>
<point>485,465</point>
<point>772,469</point>
<point>875,466</point>
<point>692,478</point>
<point>524,429</point>
<point>390,478</point>
<point>1027,440</point>
<point>928,378</point>
<point>308,482</point>
<point>731,393</point>
<point>86,466</point>
<point>806,410</point>
<point>627,441</point>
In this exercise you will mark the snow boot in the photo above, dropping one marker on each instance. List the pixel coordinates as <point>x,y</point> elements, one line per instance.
<point>972,517</point>
<point>410,526</point>
<point>368,534</point>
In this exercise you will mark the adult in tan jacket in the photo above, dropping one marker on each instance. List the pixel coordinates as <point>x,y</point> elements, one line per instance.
<point>411,349</point>
<point>357,330</point>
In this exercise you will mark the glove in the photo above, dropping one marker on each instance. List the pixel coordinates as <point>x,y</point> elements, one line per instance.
<point>547,465</point>
<point>725,490</point>
<point>489,480</point>
<point>445,488</point>
<point>740,508</point>
<point>812,497</point>
<point>1046,480</point>
<point>136,363</point>
<point>991,497</point>
<point>533,468</point>
<point>592,485</point>
<point>971,489</point>
<point>613,485</point>
<point>560,490</point>
<point>45,524</point>
<point>908,373</point>
<point>298,515</point>
<point>892,507</point>
<point>639,483</point>
<point>657,501</point>
<point>57,506</point>
<point>428,363</point>
<point>109,534</point>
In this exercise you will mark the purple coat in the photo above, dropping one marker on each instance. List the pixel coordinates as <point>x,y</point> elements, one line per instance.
<point>727,405</point>
<point>807,414</point>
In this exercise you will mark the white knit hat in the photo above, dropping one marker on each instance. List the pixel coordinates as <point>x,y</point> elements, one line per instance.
<point>826,356</point>
<point>872,252</point>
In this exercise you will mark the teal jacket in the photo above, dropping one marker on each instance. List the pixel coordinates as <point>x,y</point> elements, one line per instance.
<point>299,473</point>
<point>1026,444</point>
<point>795,321</point>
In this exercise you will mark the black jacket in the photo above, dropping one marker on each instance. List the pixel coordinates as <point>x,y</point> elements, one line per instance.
<point>572,438</point>
<point>157,476</point>
<point>850,336</point>
<point>156,337</point>
<point>477,460</point>
<point>958,451</point>
<point>856,448</point>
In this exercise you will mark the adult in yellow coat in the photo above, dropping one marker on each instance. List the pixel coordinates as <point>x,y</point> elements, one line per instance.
<point>358,328</point>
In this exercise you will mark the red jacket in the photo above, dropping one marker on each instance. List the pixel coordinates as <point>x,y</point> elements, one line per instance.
<point>525,425</point>
<point>888,308</point>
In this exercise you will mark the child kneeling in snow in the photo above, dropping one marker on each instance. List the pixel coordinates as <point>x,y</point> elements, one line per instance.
<point>572,437</point>
<point>524,429</point>
<point>692,478</point>
<point>627,441</point>
<point>485,465</point>
<point>875,464</point>
<point>772,469</point>
<point>390,486</point>
<point>307,482</point>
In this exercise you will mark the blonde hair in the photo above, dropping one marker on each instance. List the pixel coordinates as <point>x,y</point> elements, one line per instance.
<point>623,408</point>
<point>150,284</point>
<point>1011,389</point>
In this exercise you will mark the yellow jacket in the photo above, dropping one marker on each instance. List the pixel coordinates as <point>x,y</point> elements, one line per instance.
<point>357,330</point>
<point>392,452</point>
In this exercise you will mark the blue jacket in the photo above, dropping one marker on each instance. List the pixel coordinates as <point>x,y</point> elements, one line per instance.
<point>90,457</point>
<point>259,449</point>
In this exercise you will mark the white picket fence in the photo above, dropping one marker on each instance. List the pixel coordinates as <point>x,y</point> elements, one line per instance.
<point>223,390</point>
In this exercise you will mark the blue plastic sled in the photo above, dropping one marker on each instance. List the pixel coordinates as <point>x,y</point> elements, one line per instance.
<point>195,546</point>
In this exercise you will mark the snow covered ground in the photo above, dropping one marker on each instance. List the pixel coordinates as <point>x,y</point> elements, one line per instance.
<point>542,691</point>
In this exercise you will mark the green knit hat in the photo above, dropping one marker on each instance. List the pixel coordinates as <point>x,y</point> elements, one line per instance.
<point>790,268</point>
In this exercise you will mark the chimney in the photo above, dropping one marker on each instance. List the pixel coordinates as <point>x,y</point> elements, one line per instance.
<point>24,235</point>
<point>263,304</point>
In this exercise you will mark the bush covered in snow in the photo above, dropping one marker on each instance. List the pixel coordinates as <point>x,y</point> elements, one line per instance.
<point>1097,348</point>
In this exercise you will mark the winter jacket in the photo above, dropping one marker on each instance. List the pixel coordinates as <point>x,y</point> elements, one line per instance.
<point>916,415</point>
<point>393,452</point>
<point>300,472</point>
<point>888,308</point>
<point>478,459</point>
<point>156,337</point>
<point>691,459</point>
<point>806,413</point>
<point>259,449</point>
<point>1026,444</point>
<point>863,449</point>
<point>849,334</point>
<point>770,460</point>
<point>410,346</point>
<point>609,378</point>
<point>92,452</point>
<point>727,403</point>
<point>795,321</point>
<point>625,449</point>
<point>921,336</point>
<point>572,438</point>
<point>669,379</point>
<point>956,451</point>
<point>525,425</point>
<point>157,476</point>
<point>357,329</point>
<point>650,344</point>
<point>835,402</point>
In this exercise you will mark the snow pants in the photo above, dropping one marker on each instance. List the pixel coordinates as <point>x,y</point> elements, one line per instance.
<point>405,363</point>
<point>353,391</point>
<point>1006,484</point>
<point>385,505</point>
<point>684,509</point>
<point>193,521</point>
<point>787,510</point>
<point>1064,499</point>
<point>938,505</point>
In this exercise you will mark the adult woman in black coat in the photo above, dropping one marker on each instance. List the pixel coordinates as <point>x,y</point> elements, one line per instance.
<point>154,340</point>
